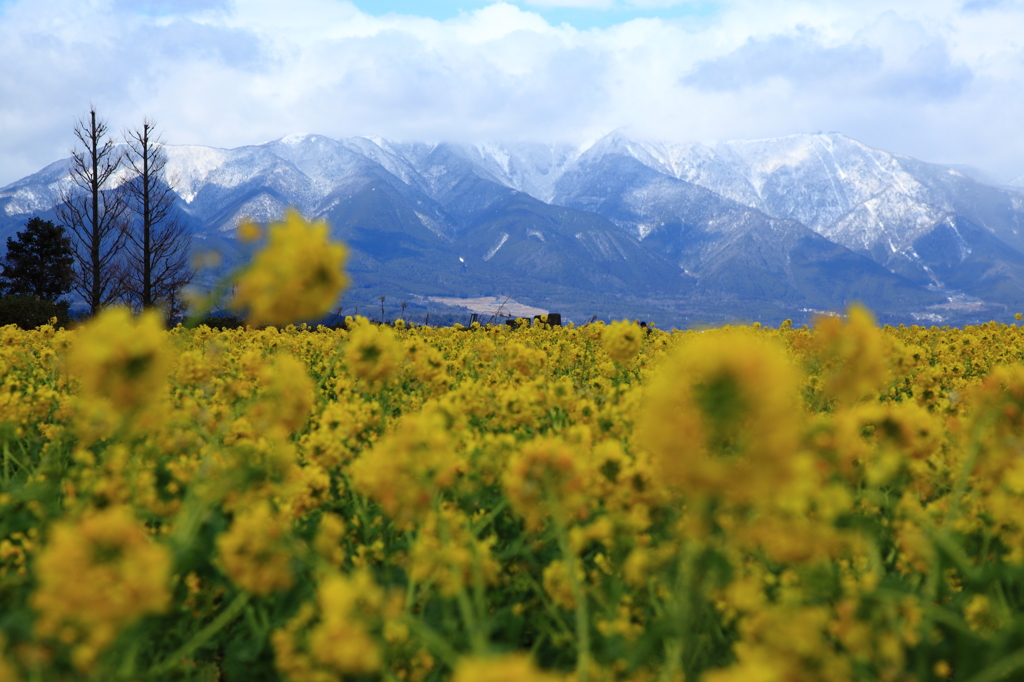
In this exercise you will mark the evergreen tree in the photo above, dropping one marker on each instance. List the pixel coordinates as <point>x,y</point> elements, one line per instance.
<point>39,262</point>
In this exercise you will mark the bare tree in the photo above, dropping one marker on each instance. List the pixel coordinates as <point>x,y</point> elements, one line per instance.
<point>93,211</point>
<point>157,259</point>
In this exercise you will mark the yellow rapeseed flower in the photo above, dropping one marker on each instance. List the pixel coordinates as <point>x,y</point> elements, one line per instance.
<point>286,398</point>
<point>248,232</point>
<point>255,553</point>
<point>506,668</point>
<point>296,276</point>
<point>854,353</point>
<point>121,359</point>
<point>373,353</point>
<point>982,616</point>
<point>723,416</point>
<point>96,577</point>
<point>558,583</point>
<point>544,477</point>
<point>406,468</point>
<point>331,640</point>
<point>622,340</point>
<point>445,552</point>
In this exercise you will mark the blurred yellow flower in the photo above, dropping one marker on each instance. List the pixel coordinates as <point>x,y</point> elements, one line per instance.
<point>854,354</point>
<point>558,583</point>
<point>622,340</point>
<point>507,668</point>
<point>96,577</point>
<point>445,552</point>
<point>254,551</point>
<point>340,643</point>
<point>286,398</point>
<point>296,276</point>
<point>373,352</point>
<point>723,416</point>
<point>121,359</point>
<point>248,232</point>
<point>544,477</point>
<point>405,469</point>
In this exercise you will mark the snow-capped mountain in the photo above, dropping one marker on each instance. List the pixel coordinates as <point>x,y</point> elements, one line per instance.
<point>774,226</point>
<point>866,199</point>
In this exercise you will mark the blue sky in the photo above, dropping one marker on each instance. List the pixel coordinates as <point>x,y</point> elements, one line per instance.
<point>583,14</point>
<point>936,79</point>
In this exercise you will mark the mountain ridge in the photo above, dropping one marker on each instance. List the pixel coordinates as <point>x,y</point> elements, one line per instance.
<point>774,228</point>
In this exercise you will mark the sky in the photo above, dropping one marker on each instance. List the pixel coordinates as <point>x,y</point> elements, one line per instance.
<point>940,80</point>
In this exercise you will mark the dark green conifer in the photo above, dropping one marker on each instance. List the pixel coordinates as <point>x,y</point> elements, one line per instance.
<point>39,262</point>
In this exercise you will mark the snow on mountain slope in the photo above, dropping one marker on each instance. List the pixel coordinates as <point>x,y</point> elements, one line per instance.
<point>854,195</point>
<point>701,165</point>
<point>188,167</point>
<point>693,204</point>
<point>389,155</point>
<point>36,193</point>
<point>531,168</point>
<point>866,199</point>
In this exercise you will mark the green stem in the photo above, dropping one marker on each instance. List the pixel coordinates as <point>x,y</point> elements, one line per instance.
<point>410,587</point>
<point>203,636</point>
<point>673,655</point>
<point>479,527</point>
<point>477,636</point>
<point>437,643</point>
<point>556,615</point>
<point>480,594</point>
<point>578,593</point>
<point>684,605</point>
<point>1001,668</point>
<point>8,458</point>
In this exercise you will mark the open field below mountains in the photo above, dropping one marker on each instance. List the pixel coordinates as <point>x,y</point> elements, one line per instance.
<point>575,503</point>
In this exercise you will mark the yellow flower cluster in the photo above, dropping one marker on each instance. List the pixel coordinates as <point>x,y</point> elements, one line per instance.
<point>120,359</point>
<point>254,551</point>
<point>622,340</point>
<point>595,503</point>
<point>296,276</point>
<point>95,577</point>
<point>339,642</point>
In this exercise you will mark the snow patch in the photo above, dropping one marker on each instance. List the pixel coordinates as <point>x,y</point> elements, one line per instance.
<point>431,224</point>
<point>501,242</point>
<point>295,138</point>
<point>189,166</point>
<point>26,200</point>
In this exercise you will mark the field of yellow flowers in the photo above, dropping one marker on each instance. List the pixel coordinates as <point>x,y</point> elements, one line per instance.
<point>489,504</point>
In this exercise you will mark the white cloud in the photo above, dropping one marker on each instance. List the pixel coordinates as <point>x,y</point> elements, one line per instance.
<point>936,79</point>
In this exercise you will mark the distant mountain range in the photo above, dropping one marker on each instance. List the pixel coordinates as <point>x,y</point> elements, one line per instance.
<point>677,233</point>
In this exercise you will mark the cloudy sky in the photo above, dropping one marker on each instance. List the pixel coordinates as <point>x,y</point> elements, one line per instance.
<point>942,80</point>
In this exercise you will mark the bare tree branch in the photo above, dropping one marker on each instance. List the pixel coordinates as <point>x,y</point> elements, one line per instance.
<point>159,242</point>
<point>94,213</point>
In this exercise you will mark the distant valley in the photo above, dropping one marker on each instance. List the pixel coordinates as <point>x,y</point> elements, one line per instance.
<point>679,234</point>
